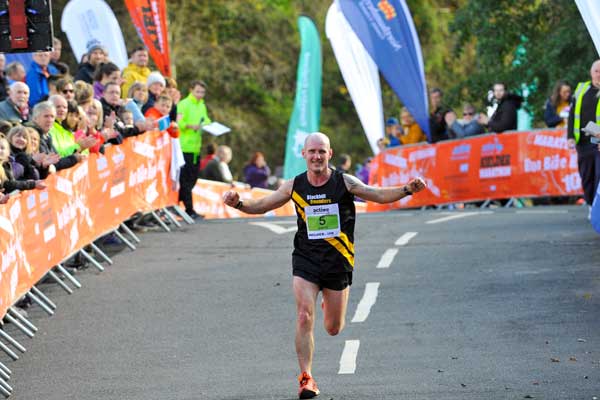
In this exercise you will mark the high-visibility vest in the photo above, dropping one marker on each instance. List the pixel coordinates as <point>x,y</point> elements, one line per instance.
<point>580,91</point>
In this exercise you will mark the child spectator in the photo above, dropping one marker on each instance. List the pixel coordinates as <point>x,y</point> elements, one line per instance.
<point>156,84</point>
<point>392,131</point>
<point>91,126</point>
<point>21,150</point>
<point>127,117</point>
<point>7,181</point>
<point>160,110</point>
<point>84,93</point>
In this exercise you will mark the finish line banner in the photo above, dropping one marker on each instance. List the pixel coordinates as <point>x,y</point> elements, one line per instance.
<point>495,166</point>
<point>40,228</point>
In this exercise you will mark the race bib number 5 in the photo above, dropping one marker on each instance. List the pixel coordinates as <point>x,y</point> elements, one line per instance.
<point>322,221</point>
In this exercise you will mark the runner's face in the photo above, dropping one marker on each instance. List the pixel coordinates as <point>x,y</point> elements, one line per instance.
<point>317,154</point>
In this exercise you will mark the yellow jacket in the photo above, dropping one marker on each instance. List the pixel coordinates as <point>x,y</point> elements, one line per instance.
<point>412,134</point>
<point>131,74</point>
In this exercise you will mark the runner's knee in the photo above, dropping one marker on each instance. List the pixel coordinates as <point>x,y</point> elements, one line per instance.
<point>334,328</point>
<point>305,318</point>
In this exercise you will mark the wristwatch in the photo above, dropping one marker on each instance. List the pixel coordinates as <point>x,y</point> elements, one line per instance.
<point>406,191</point>
<point>239,204</point>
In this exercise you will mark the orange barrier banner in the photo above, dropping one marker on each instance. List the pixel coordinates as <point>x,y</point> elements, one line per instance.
<point>208,201</point>
<point>496,166</point>
<point>40,228</point>
<point>150,20</point>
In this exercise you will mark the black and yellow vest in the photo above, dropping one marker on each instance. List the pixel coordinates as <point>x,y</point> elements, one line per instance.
<point>331,254</point>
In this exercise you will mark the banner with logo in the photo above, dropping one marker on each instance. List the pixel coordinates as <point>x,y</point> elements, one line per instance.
<point>84,20</point>
<point>307,104</point>
<point>150,20</point>
<point>360,74</point>
<point>519,164</point>
<point>386,29</point>
<point>40,228</point>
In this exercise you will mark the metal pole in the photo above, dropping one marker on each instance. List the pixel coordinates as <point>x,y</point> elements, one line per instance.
<point>12,341</point>
<point>5,369</point>
<point>8,351</point>
<point>101,253</point>
<point>68,276</point>
<point>42,296</point>
<point>510,202</point>
<point>92,260</point>
<point>160,222</point>
<point>486,203</point>
<point>40,303</point>
<point>56,279</point>
<point>183,215</point>
<point>21,318</point>
<point>4,375</point>
<point>130,233</point>
<point>171,217</point>
<point>127,242</point>
<point>5,388</point>
<point>16,323</point>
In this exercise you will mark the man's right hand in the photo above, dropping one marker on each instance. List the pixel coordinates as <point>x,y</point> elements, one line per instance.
<point>231,198</point>
<point>571,143</point>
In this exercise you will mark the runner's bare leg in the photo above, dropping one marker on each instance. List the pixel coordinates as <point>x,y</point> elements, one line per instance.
<point>335,303</point>
<point>305,293</point>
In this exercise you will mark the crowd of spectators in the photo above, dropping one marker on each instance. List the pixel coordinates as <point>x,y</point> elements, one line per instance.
<point>51,119</point>
<point>100,105</point>
<point>500,116</point>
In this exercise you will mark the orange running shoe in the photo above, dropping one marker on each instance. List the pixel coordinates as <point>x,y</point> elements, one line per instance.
<point>308,386</point>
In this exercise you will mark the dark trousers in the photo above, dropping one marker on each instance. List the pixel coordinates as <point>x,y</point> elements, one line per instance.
<point>589,170</point>
<point>187,180</point>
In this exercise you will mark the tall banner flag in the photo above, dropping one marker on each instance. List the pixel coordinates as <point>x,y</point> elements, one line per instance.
<point>360,74</point>
<point>307,104</point>
<point>386,29</point>
<point>150,20</point>
<point>84,20</point>
<point>590,12</point>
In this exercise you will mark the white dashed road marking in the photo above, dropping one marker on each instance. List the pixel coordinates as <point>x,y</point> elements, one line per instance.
<point>404,239</point>
<point>451,217</point>
<point>348,360</point>
<point>368,300</point>
<point>278,229</point>
<point>387,258</point>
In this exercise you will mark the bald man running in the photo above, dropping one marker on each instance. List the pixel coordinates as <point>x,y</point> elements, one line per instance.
<point>323,256</point>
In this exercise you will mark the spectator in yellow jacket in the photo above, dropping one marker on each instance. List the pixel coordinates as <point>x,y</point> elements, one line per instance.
<point>411,131</point>
<point>137,70</point>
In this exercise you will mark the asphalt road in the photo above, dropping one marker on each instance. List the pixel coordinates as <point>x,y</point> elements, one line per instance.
<point>503,304</point>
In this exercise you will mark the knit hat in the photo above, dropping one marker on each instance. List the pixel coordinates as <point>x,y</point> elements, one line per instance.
<point>154,77</point>
<point>392,121</point>
<point>94,44</point>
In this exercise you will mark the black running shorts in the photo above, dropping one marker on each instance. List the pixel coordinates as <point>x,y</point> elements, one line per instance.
<point>332,281</point>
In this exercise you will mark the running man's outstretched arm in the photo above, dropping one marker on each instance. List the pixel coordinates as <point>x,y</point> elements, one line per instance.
<point>382,194</point>
<point>262,205</point>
